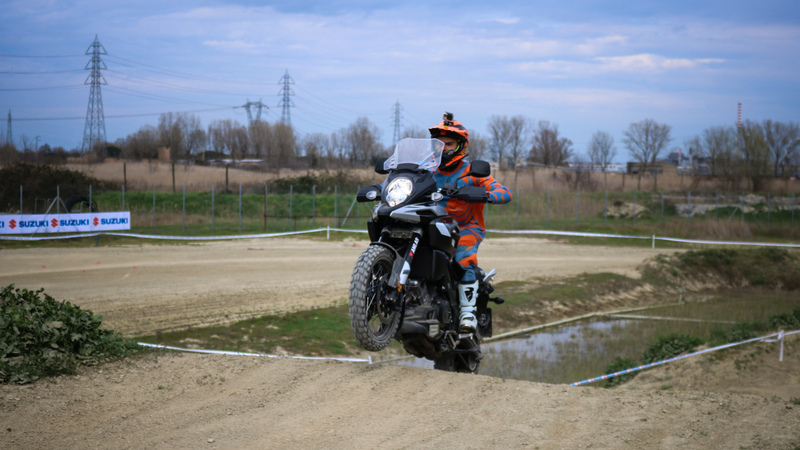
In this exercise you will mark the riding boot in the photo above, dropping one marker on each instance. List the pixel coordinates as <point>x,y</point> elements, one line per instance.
<point>467,296</point>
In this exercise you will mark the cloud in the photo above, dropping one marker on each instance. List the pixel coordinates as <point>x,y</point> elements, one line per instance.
<point>646,62</point>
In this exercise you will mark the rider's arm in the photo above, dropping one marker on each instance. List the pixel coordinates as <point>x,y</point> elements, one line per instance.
<point>496,192</point>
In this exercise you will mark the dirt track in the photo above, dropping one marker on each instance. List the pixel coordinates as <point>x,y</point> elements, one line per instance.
<point>142,289</point>
<point>193,401</point>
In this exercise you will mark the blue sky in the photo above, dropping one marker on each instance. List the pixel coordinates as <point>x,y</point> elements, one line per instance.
<point>586,66</point>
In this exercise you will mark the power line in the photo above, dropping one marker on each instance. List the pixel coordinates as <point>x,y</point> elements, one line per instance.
<point>4,55</point>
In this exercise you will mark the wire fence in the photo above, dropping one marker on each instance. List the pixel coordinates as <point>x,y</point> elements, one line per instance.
<point>304,207</point>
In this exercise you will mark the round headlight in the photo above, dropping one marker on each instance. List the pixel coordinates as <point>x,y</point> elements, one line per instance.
<point>398,191</point>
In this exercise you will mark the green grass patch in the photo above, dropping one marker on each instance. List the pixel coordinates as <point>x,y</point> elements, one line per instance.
<point>316,332</point>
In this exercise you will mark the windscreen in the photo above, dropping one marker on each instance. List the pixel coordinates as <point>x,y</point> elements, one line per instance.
<point>426,153</point>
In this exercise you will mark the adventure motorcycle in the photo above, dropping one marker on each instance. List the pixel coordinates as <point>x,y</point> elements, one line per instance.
<point>405,284</point>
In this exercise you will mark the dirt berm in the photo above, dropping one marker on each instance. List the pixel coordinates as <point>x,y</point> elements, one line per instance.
<point>168,401</point>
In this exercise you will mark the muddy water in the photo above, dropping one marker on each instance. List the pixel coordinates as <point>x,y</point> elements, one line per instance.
<point>581,350</point>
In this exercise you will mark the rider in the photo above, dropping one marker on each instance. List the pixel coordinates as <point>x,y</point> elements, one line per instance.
<point>453,170</point>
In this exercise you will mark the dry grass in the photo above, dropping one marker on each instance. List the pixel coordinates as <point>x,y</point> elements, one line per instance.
<point>143,175</point>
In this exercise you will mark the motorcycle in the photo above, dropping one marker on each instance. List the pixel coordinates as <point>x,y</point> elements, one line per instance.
<point>405,284</point>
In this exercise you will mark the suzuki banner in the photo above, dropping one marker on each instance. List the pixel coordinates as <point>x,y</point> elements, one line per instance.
<point>64,223</point>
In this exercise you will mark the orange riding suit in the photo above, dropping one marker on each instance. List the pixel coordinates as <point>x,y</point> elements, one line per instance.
<point>469,215</point>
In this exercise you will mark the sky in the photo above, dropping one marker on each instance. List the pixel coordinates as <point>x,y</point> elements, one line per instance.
<point>584,66</point>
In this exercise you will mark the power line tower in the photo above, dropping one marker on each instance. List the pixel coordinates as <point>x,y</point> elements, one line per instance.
<point>94,132</point>
<point>258,105</point>
<point>397,118</point>
<point>286,102</point>
<point>9,141</point>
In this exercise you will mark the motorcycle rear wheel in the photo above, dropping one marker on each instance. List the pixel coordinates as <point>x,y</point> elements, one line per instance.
<point>373,318</point>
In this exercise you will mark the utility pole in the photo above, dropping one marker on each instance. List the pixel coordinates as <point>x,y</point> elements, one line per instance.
<point>94,132</point>
<point>397,117</point>
<point>258,105</point>
<point>286,101</point>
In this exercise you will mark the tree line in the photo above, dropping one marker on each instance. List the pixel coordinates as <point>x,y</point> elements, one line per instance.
<point>752,151</point>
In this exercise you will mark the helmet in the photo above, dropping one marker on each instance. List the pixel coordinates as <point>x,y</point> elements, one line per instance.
<point>453,129</point>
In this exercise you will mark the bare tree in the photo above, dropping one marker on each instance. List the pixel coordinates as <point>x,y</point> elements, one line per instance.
<point>548,148</point>
<point>363,141</point>
<point>478,146</point>
<point>228,136</point>
<point>143,144</point>
<point>315,146</point>
<point>718,144</point>
<point>755,154</point>
<point>416,132</point>
<point>499,138</point>
<point>194,137</point>
<point>260,138</point>
<point>284,143</point>
<point>782,140</point>
<point>601,152</point>
<point>645,140</point>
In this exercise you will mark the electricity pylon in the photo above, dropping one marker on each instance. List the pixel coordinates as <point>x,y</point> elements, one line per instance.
<point>94,132</point>
<point>397,118</point>
<point>258,105</point>
<point>286,102</point>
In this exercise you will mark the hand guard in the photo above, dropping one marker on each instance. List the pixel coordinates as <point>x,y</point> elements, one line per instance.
<point>472,194</point>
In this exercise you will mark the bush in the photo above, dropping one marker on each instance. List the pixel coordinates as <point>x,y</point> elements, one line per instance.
<point>668,346</point>
<point>40,336</point>
<point>619,365</point>
<point>783,320</point>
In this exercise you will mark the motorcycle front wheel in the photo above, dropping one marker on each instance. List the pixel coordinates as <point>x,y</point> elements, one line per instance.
<point>373,316</point>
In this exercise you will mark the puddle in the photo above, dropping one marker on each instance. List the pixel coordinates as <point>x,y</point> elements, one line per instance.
<point>581,350</point>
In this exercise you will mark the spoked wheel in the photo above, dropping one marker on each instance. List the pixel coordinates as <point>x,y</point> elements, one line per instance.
<point>373,316</point>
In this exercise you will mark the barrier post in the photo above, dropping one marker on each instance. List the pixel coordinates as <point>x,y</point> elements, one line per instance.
<point>768,208</point>
<point>689,211</point>
<point>154,208</point>
<point>265,207</point>
<point>548,208</point>
<point>123,197</point>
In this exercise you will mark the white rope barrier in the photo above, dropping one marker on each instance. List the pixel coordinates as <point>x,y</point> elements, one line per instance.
<point>222,352</point>
<point>778,337</point>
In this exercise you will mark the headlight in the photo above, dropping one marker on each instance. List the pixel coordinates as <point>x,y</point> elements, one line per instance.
<point>398,191</point>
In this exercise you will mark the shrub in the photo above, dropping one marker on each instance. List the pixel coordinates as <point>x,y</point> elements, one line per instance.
<point>668,346</point>
<point>619,365</point>
<point>40,336</point>
<point>783,320</point>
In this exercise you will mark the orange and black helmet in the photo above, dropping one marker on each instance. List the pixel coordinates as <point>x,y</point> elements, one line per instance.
<point>453,129</point>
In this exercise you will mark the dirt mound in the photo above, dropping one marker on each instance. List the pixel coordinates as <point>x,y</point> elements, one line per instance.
<point>191,401</point>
